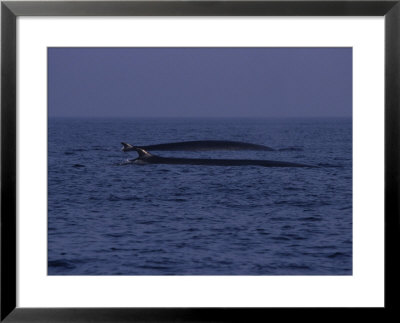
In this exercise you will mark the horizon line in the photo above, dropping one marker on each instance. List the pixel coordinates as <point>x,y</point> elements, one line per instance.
<point>202,117</point>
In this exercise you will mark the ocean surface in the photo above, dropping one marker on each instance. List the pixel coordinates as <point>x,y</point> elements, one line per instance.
<point>106,217</point>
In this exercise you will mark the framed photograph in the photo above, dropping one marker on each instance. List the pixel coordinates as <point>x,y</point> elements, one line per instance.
<point>198,160</point>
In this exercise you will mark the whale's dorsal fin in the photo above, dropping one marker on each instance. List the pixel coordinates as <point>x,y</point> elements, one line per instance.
<point>126,147</point>
<point>142,153</point>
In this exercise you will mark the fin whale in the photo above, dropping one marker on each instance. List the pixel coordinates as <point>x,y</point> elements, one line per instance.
<point>200,145</point>
<point>146,158</point>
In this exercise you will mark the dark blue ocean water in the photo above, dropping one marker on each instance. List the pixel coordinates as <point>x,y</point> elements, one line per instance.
<point>107,219</point>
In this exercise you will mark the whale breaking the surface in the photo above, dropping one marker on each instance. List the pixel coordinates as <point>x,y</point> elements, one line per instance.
<point>200,145</point>
<point>147,158</point>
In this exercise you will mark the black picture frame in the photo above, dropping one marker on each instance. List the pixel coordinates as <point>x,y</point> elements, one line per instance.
<point>10,10</point>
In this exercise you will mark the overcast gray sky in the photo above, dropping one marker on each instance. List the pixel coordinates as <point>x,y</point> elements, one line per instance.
<point>200,82</point>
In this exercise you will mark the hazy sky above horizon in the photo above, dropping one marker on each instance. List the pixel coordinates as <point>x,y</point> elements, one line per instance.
<point>200,82</point>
